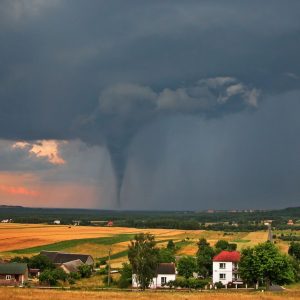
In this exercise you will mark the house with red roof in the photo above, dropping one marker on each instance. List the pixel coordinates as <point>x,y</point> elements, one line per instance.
<point>225,267</point>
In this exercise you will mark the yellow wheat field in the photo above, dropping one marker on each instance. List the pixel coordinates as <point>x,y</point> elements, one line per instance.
<point>32,294</point>
<point>20,236</point>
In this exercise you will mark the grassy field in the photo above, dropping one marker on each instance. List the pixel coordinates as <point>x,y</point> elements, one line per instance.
<point>32,294</point>
<point>29,239</point>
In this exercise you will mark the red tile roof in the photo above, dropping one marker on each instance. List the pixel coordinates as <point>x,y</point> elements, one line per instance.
<point>230,256</point>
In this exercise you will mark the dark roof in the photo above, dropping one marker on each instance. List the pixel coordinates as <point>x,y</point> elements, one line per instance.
<point>50,254</point>
<point>166,268</point>
<point>60,257</point>
<point>13,268</point>
<point>228,256</point>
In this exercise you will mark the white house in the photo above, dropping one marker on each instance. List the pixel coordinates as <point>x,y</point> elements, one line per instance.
<point>56,222</point>
<point>165,272</point>
<point>225,267</point>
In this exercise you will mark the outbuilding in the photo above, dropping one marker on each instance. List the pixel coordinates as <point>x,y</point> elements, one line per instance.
<point>13,273</point>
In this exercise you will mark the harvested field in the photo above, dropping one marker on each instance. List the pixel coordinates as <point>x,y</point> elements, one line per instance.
<point>21,236</point>
<point>30,239</point>
<point>33,294</point>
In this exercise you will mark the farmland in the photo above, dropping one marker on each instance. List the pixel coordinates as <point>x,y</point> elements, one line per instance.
<point>33,294</point>
<point>30,239</point>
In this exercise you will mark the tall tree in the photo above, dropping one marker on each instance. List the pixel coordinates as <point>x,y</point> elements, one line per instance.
<point>294,250</point>
<point>143,256</point>
<point>171,245</point>
<point>265,263</point>
<point>205,254</point>
<point>166,255</point>
<point>186,266</point>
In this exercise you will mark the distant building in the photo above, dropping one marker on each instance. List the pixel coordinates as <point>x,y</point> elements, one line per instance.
<point>34,273</point>
<point>7,221</point>
<point>290,222</point>
<point>110,223</point>
<point>76,222</point>
<point>56,222</point>
<point>13,273</point>
<point>267,222</point>
<point>165,272</point>
<point>225,267</point>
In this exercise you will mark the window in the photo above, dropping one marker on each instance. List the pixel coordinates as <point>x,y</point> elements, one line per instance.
<point>8,277</point>
<point>222,266</point>
<point>163,280</point>
<point>222,276</point>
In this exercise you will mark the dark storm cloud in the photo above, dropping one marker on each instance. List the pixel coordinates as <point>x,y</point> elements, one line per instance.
<point>242,160</point>
<point>146,59</point>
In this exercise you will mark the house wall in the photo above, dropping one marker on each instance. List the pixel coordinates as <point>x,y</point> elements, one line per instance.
<point>169,277</point>
<point>156,282</point>
<point>15,279</point>
<point>217,271</point>
<point>90,261</point>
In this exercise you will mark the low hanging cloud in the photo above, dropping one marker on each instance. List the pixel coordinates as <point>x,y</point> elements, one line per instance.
<point>206,95</point>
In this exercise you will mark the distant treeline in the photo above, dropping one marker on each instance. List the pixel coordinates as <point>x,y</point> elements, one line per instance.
<point>220,220</point>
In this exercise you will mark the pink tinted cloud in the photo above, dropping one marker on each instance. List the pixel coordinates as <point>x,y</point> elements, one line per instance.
<point>48,149</point>
<point>17,190</point>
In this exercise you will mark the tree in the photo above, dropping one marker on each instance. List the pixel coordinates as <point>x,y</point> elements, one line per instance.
<point>294,250</point>
<point>265,263</point>
<point>41,262</point>
<point>166,256</point>
<point>224,245</point>
<point>85,271</point>
<point>143,256</point>
<point>126,276</point>
<point>205,254</point>
<point>171,245</point>
<point>52,277</point>
<point>186,266</point>
<point>19,259</point>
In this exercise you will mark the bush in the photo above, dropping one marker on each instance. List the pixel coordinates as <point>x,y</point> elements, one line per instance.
<point>52,277</point>
<point>74,276</point>
<point>219,285</point>
<point>102,271</point>
<point>85,271</point>
<point>191,283</point>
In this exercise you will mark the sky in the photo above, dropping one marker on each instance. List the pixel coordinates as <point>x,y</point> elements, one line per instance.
<point>155,105</point>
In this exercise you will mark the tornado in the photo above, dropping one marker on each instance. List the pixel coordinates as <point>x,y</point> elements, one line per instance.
<point>126,108</point>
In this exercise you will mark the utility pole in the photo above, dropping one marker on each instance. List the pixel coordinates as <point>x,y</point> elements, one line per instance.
<point>108,275</point>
